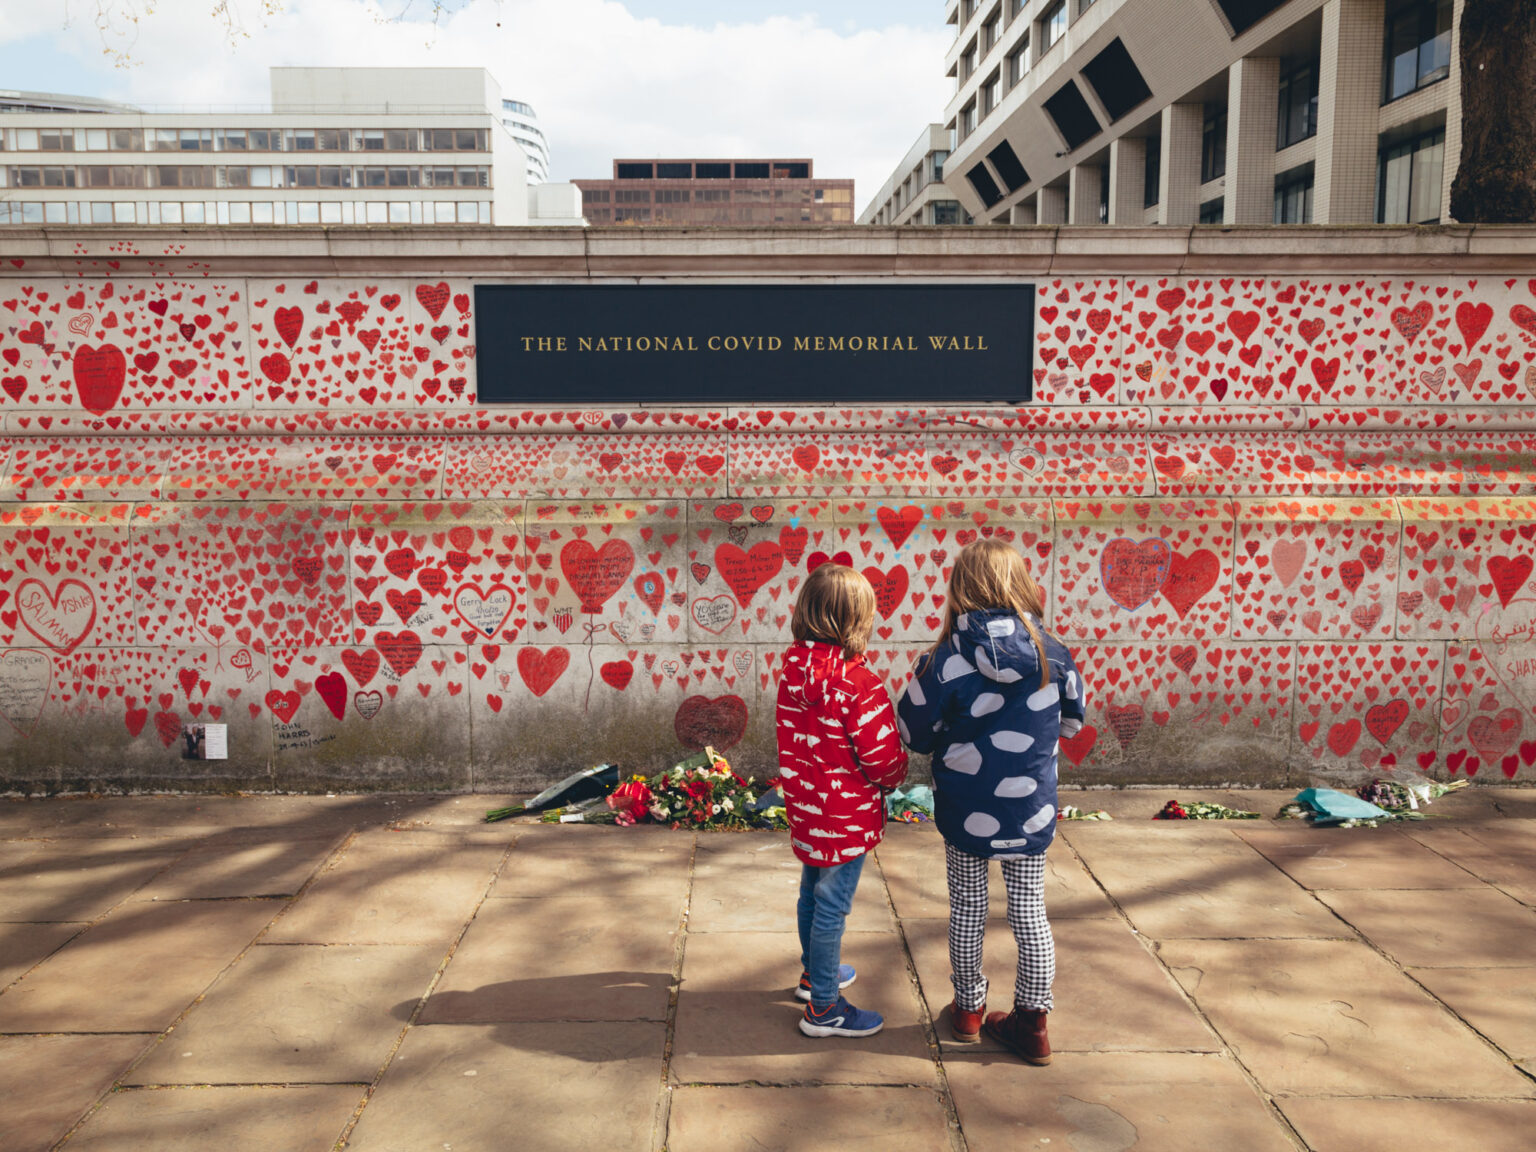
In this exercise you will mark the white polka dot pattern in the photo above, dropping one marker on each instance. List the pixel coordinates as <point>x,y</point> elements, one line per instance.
<point>1016,786</point>
<point>1046,697</point>
<point>986,704</point>
<point>1039,820</point>
<point>956,667</point>
<point>915,693</point>
<point>992,672</point>
<point>1012,741</point>
<point>964,758</point>
<point>981,824</point>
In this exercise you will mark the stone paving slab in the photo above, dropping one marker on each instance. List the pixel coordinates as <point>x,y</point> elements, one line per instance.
<point>808,1119</point>
<point>489,1088</point>
<point>1376,858</point>
<point>553,860</point>
<point>1499,1002</point>
<point>384,890</point>
<point>1331,1017</point>
<point>305,1118</point>
<point>47,1083</point>
<point>224,869</point>
<point>24,945</point>
<point>738,1019</point>
<point>1504,856</point>
<point>913,865</point>
<point>1479,928</point>
<point>1110,993</point>
<point>1369,1125</point>
<point>1152,1102</point>
<point>187,818</point>
<point>751,883</point>
<point>135,971</point>
<point>296,1014</point>
<point>1210,885</point>
<point>585,956</point>
<point>74,881</point>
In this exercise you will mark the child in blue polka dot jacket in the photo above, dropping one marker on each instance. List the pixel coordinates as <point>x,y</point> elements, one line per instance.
<point>990,701</point>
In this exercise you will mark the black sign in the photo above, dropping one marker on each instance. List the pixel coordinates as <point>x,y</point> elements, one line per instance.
<point>744,344</point>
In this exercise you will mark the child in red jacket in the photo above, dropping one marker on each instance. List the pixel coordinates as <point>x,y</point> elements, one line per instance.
<point>838,754</point>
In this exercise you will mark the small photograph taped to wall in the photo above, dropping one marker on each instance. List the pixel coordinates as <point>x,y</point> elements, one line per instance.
<point>205,742</point>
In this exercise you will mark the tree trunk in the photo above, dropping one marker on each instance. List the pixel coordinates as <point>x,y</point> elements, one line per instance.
<point>1496,178</point>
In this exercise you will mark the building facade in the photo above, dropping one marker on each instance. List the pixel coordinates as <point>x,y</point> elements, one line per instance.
<point>340,146</point>
<point>763,193</point>
<point>1204,111</point>
<point>916,193</point>
<point>523,122</point>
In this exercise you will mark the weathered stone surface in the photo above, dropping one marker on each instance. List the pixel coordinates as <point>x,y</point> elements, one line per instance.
<point>23,945</point>
<point>586,956</point>
<point>738,1019</point>
<point>387,890</point>
<point>1342,1125</point>
<point>806,1119</point>
<point>751,883</point>
<point>1201,885</point>
<point>1326,858</point>
<point>302,1118</point>
<point>39,883</point>
<point>555,861</point>
<point>1502,854</point>
<point>233,868</point>
<point>491,1087</point>
<point>1478,928</point>
<point>913,865</point>
<point>291,1014</point>
<point>1499,1002</point>
<point>135,971</point>
<point>47,1083</point>
<point>1153,1102</point>
<point>1332,1017</point>
<point>1110,993</point>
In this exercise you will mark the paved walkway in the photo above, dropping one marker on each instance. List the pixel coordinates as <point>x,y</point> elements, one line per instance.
<point>285,974</point>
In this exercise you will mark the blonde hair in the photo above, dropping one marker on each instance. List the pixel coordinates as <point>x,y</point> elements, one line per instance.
<point>990,574</point>
<point>836,605</point>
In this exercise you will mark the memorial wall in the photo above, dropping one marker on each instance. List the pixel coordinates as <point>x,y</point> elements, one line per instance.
<point>277,510</point>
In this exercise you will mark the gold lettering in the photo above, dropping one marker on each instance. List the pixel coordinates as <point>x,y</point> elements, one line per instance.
<point>774,343</point>
<point>527,343</point>
<point>713,343</point>
<point>802,344</point>
<point>584,343</point>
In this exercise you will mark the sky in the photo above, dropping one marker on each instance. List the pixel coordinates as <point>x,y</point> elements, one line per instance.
<point>849,83</point>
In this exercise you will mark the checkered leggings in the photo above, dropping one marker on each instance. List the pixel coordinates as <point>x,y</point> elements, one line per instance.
<point>1025,879</point>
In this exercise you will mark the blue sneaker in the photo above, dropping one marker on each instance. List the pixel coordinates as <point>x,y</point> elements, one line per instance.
<point>845,976</point>
<point>842,1019</point>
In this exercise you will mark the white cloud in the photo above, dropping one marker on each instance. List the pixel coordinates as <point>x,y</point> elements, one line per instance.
<point>605,83</point>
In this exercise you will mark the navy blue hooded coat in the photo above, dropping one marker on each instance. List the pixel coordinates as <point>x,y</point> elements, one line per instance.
<point>976,704</point>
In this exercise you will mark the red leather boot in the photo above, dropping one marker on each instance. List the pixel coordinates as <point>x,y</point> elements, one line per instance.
<point>1022,1032</point>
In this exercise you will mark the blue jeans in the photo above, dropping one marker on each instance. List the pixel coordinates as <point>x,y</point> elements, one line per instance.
<point>826,895</point>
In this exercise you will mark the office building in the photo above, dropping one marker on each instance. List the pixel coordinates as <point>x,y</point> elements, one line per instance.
<point>1202,111</point>
<point>760,193</point>
<point>916,192</point>
<point>523,122</point>
<point>400,146</point>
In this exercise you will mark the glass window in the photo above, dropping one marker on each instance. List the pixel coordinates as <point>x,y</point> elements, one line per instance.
<point>1018,61</point>
<point>991,93</point>
<point>403,177</point>
<point>26,139</point>
<point>56,139</point>
<point>264,140</point>
<point>399,140</point>
<point>231,140</point>
<point>239,212</point>
<point>465,140</point>
<point>95,139</point>
<point>1211,211</point>
<point>261,212</point>
<point>192,212</point>
<point>234,177</point>
<point>127,139</point>
<point>101,212</point>
<point>330,212</point>
<point>1213,144</point>
<point>989,32</point>
<point>1293,196</point>
<point>1408,184</point>
<point>938,164</point>
<point>262,176</point>
<point>332,177</point>
<point>946,211</point>
<point>31,212</point>
<point>437,177</point>
<point>1418,46</point>
<point>1152,173</point>
<point>399,213</point>
<point>968,119</point>
<point>125,212</point>
<point>331,140</point>
<point>53,212</point>
<point>968,62</point>
<point>1298,104</point>
<point>299,140</point>
<point>369,140</point>
<point>170,212</point>
<point>469,212</point>
<point>444,213</point>
<point>309,212</point>
<point>195,140</point>
<point>476,177</point>
<point>1053,24</point>
<point>166,140</point>
<point>372,177</point>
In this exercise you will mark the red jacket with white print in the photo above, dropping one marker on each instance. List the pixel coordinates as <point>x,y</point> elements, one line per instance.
<point>838,753</point>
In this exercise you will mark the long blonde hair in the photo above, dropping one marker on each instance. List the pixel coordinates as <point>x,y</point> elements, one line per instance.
<point>989,573</point>
<point>837,605</point>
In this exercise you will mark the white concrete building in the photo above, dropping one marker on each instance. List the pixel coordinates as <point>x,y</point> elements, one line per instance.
<point>916,193</point>
<point>340,146</point>
<point>523,122</point>
<point>1204,111</point>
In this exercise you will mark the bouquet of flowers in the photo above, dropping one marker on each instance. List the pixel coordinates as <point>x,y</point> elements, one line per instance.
<point>703,792</point>
<point>1202,810</point>
<point>1407,794</point>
